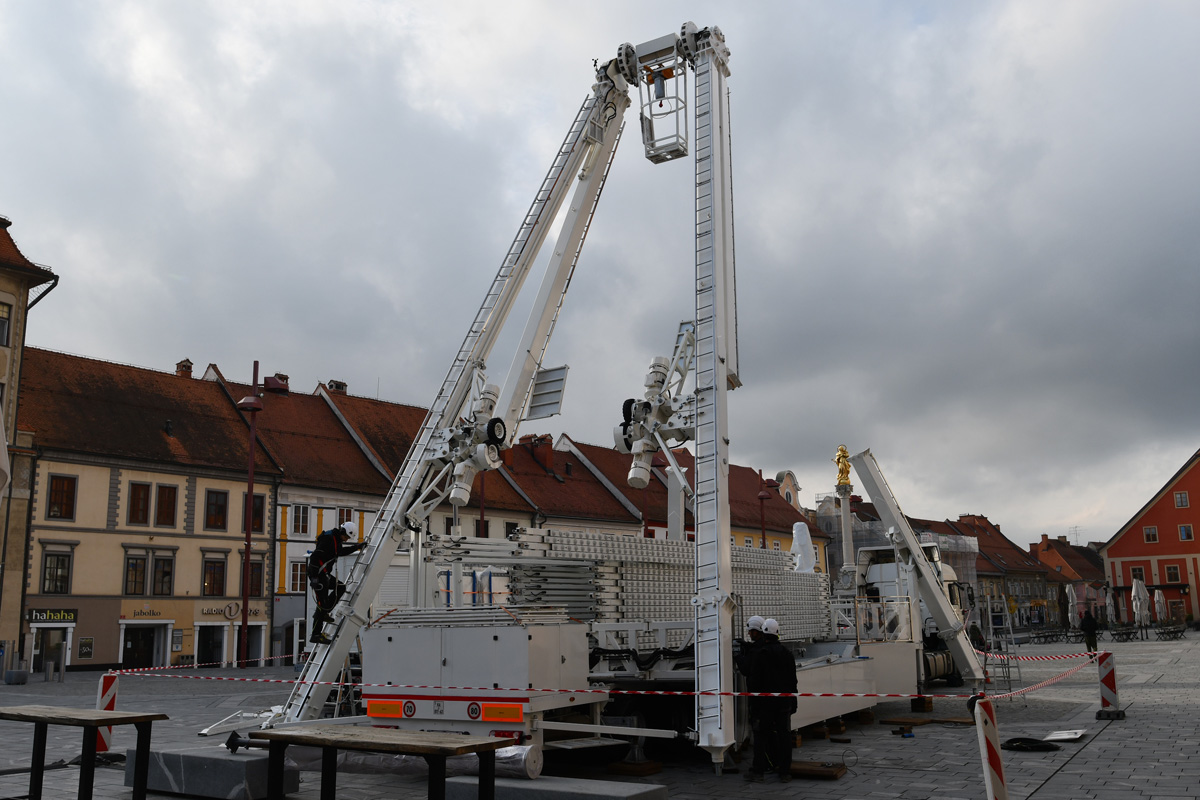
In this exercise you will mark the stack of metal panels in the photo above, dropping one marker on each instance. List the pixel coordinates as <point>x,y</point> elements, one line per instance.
<point>606,578</point>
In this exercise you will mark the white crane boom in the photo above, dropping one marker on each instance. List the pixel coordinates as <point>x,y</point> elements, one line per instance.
<point>929,584</point>
<point>470,420</point>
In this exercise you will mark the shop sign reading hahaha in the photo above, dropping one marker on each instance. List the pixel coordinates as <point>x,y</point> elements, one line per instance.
<point>64,615</point>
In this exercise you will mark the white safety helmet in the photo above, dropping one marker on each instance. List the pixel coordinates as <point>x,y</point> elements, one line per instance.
<point>755,623</point>
<point>770,626</point>
<point>350,528</point>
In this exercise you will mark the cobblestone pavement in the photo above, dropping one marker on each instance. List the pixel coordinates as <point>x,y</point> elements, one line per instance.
<point>1152,754</point>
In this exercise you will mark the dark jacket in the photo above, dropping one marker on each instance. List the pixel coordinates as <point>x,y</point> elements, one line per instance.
<point>1088,624</point>
<point>771,668</point>
<point>328,548</point>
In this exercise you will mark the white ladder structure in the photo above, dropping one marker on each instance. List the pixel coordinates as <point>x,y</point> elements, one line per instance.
<point>445,450</point>
<point>461,435</point>
<point>950,626</point>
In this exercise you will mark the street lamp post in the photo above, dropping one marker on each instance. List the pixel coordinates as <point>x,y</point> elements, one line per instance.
<point>251,405</point>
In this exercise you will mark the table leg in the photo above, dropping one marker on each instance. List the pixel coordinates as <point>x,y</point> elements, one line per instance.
<point>487,775</point>
<point>329,773</point>
<point>141,767</point>
<point>437,777</point>
<point>275,753</point>
<point>38,764</point>
<point>87,764</point>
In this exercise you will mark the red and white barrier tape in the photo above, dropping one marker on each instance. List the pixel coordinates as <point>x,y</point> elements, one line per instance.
<point>1036,658</point>
<point>139,670</point>
<point>1046,683</point>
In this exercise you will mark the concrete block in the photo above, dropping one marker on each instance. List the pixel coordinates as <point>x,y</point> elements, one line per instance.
<point>209,771</point>
<point>467,788</point>
<point>15,676</point>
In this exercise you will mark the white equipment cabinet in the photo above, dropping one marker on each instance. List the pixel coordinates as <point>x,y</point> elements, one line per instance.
<point>474,672</point>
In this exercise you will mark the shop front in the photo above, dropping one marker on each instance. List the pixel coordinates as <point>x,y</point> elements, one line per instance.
<point>147,633</point>
<point>53,634</point>
<point>218,634</point>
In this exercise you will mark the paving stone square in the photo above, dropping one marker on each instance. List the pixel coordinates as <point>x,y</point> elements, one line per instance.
<point>1150,754</point>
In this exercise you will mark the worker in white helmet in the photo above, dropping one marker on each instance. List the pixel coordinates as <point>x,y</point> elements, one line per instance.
<point>327,589</point>
<point>771,667</point>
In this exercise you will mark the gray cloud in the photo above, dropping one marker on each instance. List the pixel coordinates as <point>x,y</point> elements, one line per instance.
<point>965,234</point>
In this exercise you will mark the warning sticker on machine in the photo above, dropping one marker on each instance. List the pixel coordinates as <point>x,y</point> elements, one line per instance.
<point>502,712</point>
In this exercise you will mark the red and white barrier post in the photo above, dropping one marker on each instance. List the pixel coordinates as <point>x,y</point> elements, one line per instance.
<point>1110,704</point>
<point>106,700</point>
<point>989,750</point>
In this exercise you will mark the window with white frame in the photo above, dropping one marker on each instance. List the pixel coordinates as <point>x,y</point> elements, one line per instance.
<point>748,541</point>
<point>775,544</point>
<point>298,577</point>
<point>1181,500</point>
<point>1137,574</point>
<point>300,520</point>
<point>1172,573</point>
<point>1185,533</point>
<point>1150,533</point>
<point>345,515</point>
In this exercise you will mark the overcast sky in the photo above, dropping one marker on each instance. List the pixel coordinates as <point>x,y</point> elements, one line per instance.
<point>967,234</point>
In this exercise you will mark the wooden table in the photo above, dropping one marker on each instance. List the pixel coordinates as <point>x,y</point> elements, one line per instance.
<point>90,720</point>
<point>433,747</point>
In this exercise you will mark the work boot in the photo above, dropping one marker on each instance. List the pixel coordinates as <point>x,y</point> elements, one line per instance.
<point>319,637</point>
<point>321,616</point>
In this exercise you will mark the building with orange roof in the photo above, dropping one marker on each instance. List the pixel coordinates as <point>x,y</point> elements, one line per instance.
<point>1072,563</point>
<point>1158,546</point>
<point>23,284</point>
<point>1012,576</point>
<point>137,516</point>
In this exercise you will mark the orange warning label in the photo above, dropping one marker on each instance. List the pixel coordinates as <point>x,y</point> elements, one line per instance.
<point>384,708</point>
<point>503,712</point>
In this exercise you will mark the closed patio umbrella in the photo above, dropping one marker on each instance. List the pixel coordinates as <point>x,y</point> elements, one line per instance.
<point>1160,605</point>
<point>1072,607</point>
<point>1141,603</point>
<point>1108,606</point>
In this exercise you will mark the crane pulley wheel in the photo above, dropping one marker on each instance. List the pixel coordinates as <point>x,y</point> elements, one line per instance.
<point>496,431</point>
<point>627,63</point>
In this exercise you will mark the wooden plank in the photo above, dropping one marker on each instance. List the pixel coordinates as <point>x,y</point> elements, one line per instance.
<point>905,721</point>
<point>79,717</point>
<point>818,769</point>
<point>953,720</point>
<point>383,740</point>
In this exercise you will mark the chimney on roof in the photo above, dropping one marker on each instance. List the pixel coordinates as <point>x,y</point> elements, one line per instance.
<point>277,383</point>
<point>337,387</point>
<point>1063,539</point>
<point>542,448</point>
<point>1045,539</point>
<point>184,368</point>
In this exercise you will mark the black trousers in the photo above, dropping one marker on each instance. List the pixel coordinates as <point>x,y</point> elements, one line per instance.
<point>326,588</point>
<point>772,740</point>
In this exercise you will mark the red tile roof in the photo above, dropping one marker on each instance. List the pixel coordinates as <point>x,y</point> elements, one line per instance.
<point>11,258</point>
<point>745,509</point>
<point>560,485</point>
<point>1076,566</point>
<point>386,429</point>
<point>82,405</point>
<point>651,502</point>
<point>310,444</point>
<point>995,546</point>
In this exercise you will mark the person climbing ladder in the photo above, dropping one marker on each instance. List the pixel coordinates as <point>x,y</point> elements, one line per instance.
<point>327,589</point>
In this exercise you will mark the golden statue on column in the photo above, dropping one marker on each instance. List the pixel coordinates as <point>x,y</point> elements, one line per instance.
<point>842,459</point>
